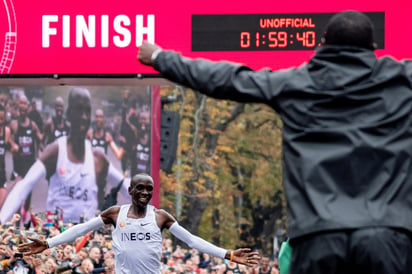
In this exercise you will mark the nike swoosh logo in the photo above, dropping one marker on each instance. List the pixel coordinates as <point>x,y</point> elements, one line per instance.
<point>145,224</point>
<point>83,174</point>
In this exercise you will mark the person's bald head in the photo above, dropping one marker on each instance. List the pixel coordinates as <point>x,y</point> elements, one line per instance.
<point>59,106</point>
<point>350,28</point>
<point>59,101</point>
<point>99,112</point>
<point>23,104</point>
<point>142,177</point>
<point>23,98</point>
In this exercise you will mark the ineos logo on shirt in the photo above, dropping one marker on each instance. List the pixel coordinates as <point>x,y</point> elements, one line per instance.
<point>75,193</point>
<point>135,236</point>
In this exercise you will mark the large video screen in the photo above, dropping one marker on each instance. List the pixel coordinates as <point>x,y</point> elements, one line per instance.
<point>37,117</point>
<point>104,39</point>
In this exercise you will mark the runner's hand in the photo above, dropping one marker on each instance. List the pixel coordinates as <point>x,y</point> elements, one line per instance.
<point>36,246</point>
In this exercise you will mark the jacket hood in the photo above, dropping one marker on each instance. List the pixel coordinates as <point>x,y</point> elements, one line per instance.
<point>339,67</point>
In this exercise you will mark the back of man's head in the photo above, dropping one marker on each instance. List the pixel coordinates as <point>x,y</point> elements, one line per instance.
<point>350,28</point>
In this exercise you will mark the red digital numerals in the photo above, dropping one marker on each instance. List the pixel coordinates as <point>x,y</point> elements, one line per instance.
<point>277,39</point>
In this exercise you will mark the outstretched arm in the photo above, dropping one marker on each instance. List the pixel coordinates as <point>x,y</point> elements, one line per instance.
<point>21,190</point>
<point>37,246</point>
<point>241,255</point>
<point>109,216</point>
<point>147,53</point>
<point>220,80</point>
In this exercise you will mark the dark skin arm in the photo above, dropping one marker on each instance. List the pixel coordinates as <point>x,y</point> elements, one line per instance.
<point>9,140</point>
<point>13,126</point>
<point>101,166</point>
<point>145,53</point>
<point>109,216</point>
<point>13,130</point>
<point>49,158</point>
<point>48,129</point>
<point>36,129</point>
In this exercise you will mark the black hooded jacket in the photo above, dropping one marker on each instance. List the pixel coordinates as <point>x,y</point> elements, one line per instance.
<point>347,132</point>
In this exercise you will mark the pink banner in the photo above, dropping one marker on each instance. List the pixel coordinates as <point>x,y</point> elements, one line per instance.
<point>87,37</point>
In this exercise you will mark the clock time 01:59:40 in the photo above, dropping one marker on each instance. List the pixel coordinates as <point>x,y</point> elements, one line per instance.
<point>278,40</point>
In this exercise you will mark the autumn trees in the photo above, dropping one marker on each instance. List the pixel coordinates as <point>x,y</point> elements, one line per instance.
<point>227,177</point>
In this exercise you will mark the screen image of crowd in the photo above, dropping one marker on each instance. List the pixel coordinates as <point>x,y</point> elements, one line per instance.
<point>93,253</point>
<point>31,118</point>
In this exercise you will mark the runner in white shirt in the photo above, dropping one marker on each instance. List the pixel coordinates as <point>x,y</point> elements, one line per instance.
<point>137,234</point>
<point>76,174</point>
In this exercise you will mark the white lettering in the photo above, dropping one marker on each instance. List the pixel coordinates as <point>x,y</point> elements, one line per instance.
<point>88,31</point>
<point>83,30</point>
<point>66,31</point>
<point>105,31</point>
<point>118,27</point>
<point>149,30</point>
<point>47,30</point>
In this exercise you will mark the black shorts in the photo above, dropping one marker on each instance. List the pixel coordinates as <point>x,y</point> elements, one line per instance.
<point>376,250</point>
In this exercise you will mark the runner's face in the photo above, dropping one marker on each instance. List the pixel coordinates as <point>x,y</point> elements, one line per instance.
<point>99,119</point>
<point>141,191</point>
<point>23,106</point>
<point>59,108</point>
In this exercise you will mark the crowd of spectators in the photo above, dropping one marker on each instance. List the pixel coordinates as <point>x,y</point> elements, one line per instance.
<point>93,253</point>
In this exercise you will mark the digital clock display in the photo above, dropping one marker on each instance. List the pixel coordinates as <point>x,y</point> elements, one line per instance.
<point>254,32</point>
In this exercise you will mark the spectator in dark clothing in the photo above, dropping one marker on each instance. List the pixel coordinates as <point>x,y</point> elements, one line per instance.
<point>57,126</point>
<point>347,145</point>
<point>28,137</point>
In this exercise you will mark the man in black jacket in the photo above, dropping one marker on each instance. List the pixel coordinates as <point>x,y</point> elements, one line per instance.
<point>347,145</point>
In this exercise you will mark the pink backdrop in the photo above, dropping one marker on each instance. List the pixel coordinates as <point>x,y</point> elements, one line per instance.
<point>172,31</point>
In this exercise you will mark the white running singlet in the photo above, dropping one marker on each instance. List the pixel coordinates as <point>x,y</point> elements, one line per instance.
<point>73,185</point>
<point>137,243</point>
